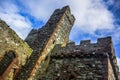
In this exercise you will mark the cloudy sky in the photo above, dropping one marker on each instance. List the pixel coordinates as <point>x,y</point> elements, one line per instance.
<point>94,18</point>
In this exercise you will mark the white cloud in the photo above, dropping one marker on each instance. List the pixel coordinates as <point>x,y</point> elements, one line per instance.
<point>9,13</point>
<point>91,15</point>
<point>42,9</point>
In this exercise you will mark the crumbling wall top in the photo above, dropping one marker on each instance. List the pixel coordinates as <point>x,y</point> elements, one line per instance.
<point>100,41</point>
<point>104,41</point>
<point>103,45</point>
<point>85,42</point>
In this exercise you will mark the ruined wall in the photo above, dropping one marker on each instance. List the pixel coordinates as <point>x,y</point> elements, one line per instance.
<point>9,40</point>
<point>96,58</point>
<point>43,40</point>
<point>72,67</point>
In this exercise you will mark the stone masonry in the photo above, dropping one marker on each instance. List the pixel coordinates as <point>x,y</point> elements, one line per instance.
<point>52,56</point>
<point>9,40</point>
<point>87,61</point>
<point>43,40</point>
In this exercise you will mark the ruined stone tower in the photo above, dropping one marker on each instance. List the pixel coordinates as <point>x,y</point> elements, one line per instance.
<point>52,56</point>
<point>42,41</point>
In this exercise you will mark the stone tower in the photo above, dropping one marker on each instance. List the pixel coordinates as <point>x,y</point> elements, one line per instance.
<point>42,41</point>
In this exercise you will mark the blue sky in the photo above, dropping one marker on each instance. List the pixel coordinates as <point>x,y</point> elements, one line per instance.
<point>94,18</point>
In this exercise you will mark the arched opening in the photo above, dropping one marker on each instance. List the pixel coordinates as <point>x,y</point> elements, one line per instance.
<point>6,61</point>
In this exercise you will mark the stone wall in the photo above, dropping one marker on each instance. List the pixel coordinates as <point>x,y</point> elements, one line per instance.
<point>44,39</point>
<point>102,51</point>
<point>9,40</point>
<point>82,67</point>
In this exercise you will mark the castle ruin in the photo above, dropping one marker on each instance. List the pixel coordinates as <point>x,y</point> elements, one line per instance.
<point>48,54</point>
